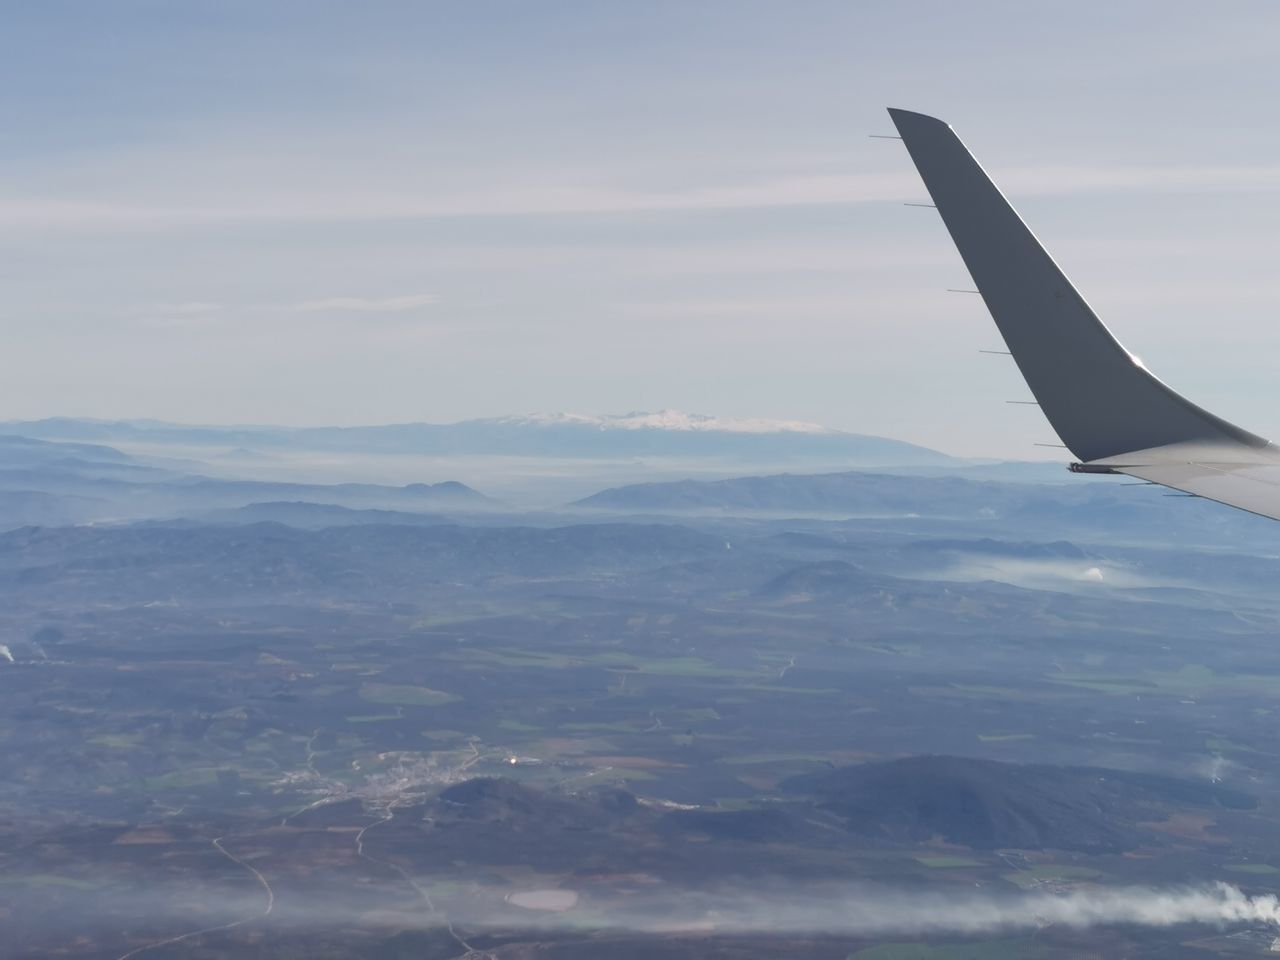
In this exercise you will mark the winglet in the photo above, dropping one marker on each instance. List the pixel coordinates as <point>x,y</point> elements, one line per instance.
<point>1099,397</point>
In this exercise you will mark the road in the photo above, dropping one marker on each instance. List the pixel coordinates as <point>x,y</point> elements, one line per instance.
<point>266,912</point>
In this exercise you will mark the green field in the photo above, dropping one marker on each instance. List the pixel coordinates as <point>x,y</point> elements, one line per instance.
<point>117,741</point>
<point>1256,869</point>
<point>1050,871</point>
<point>984,950</point>
<point>39,880</point>
<point>948,862</point>
<point>372,717</point>
<point>1191,679</point>
<point>405,695</point>
<point>176,779</point>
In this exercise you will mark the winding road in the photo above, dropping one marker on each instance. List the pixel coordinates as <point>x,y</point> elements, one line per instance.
<point>270,905</point>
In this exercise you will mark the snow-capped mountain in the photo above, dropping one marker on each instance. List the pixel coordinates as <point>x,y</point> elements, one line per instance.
<point>660,420</point>
<point>667,434</point>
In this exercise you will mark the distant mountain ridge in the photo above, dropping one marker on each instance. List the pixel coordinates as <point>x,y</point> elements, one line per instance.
<point>46,482</point>
<point>847,492</point>
<point>1093,503</point>
<point>665,433</point>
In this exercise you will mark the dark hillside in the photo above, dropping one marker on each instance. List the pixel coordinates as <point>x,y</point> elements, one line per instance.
<point>990,805</point>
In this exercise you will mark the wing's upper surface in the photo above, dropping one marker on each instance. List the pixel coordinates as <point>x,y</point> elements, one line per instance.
<point>1109,410</point>
<point>1231,477</point>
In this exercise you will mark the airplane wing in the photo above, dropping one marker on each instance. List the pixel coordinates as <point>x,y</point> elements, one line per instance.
<point>1108,409</point>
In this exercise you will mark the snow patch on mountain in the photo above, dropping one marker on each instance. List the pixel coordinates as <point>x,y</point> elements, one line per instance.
<point>663,420</point>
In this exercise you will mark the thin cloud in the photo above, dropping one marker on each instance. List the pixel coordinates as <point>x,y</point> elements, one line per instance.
<point>411,301</point>
<point>557,200</point>
<point>195,314</point>
<point>1053,180</point>
<point>190,313</point>
<point>771,309</point>
<point>192,308</point>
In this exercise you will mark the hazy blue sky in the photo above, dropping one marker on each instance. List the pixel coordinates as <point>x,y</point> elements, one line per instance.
<point>322,212</point>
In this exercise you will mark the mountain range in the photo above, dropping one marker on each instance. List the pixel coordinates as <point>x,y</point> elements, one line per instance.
<point>52,483</point>
<point>666,433</point>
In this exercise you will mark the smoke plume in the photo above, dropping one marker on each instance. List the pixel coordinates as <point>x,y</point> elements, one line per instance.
<point>876,912</point>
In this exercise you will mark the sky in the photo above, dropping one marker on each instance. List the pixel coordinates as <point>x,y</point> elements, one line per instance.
<point>334,213</point>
